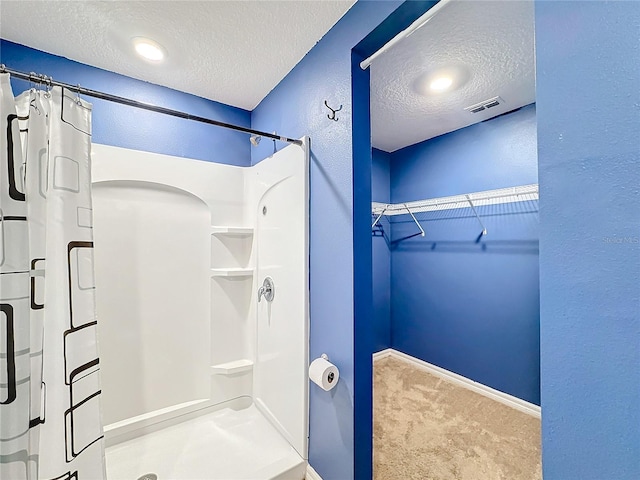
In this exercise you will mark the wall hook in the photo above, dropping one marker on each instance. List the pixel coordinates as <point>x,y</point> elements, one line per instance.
<point>332,115</point>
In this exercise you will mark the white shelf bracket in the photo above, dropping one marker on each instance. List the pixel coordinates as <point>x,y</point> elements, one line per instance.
<point>379,216</point>
<point>484,230</point>
<point>414,219</point>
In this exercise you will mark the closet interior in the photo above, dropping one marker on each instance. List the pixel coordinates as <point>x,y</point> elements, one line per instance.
<point>454,225</point>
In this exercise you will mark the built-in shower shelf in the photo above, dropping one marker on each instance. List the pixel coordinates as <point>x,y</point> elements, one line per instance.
<point>231,368</point>
<point>231,272</point>
<point>227,230</point>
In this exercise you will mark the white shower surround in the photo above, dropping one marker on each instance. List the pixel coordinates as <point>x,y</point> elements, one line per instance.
<point>195,372</point>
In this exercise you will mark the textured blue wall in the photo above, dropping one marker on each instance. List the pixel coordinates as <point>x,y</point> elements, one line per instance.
<point>588,93</point>
<point>380,176</point>
<point>381,263</point>
<point>295,108</point>
<point>497,153</point>
<point>137,129</point>
<point>471,308</point>
<point>363,281</point>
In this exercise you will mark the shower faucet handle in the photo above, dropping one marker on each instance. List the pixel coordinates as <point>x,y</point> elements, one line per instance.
<point>267,290</point>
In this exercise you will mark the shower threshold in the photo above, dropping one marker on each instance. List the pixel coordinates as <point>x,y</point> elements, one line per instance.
<point>226,444</point>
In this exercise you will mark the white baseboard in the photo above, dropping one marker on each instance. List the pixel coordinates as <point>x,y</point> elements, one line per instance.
<point>504,398</point>
<point>312,474</point>
<point>387,352</point>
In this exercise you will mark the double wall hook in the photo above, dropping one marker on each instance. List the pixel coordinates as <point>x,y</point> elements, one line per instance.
<point>332,115</point>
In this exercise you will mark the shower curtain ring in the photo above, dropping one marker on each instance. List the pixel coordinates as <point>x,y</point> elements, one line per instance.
<point>78,100</point>
<point>48,86</point>
<point>32,80</point>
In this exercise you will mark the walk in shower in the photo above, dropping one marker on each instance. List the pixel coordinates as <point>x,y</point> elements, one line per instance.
<point>202,378</point>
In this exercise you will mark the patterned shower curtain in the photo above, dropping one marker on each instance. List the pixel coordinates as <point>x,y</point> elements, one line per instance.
<point>50,424</point>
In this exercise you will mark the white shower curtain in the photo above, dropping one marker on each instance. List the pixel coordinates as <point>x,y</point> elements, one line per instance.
<point>50,424</point>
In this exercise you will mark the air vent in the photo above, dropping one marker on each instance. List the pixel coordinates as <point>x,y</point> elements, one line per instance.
<point>485,105</point>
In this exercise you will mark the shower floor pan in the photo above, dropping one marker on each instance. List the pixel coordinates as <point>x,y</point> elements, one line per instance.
<point>226,444</point>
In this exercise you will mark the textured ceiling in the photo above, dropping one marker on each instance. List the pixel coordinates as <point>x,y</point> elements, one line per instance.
<point>234,52</point>
<point>491,43</point>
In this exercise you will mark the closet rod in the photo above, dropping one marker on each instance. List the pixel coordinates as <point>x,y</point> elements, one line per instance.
<point>410,30</point>
<point>46,80</point>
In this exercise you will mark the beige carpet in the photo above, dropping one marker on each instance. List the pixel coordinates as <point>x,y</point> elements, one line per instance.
<point>428,429</point>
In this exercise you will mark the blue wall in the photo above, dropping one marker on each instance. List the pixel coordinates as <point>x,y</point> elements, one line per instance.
<point>137,129</point>
<point>381,192</point>
<point>295,107</point>
<point>588,92</point>
<point>380,176</point>
<point>500,152</point>
<point>469,306</point>
<point>362,283</point>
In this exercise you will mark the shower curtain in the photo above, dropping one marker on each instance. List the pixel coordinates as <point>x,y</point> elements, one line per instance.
<point>50,424</point>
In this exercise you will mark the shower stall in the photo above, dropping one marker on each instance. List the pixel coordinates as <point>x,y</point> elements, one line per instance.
<point>202,377</point>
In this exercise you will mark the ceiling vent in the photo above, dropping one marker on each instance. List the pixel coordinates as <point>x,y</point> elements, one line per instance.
<point>485,105</point>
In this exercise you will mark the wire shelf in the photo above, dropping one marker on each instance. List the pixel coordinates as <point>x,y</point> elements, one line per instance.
<point>522,193</point>
<point>503,201</point>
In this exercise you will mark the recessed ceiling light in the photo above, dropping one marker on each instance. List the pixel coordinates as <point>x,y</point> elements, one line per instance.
<point>149,49</point>
<point>440,84</point>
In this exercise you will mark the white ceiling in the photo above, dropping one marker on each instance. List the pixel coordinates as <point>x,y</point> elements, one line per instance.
<point>234,52</point>
<point>492,42</point>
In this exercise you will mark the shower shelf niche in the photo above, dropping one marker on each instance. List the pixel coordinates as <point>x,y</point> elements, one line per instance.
<point>228,230</point>
<point>231,272</point>
<point>231,368</point>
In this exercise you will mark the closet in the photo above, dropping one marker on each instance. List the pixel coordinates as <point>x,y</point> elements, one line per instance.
<point>455,237</point>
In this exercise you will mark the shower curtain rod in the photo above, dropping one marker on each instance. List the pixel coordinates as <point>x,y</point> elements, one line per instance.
<point>45,80</point>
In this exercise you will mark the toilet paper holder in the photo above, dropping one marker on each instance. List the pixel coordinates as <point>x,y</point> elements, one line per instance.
<point>331,376</point>
<point>324,373</point>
